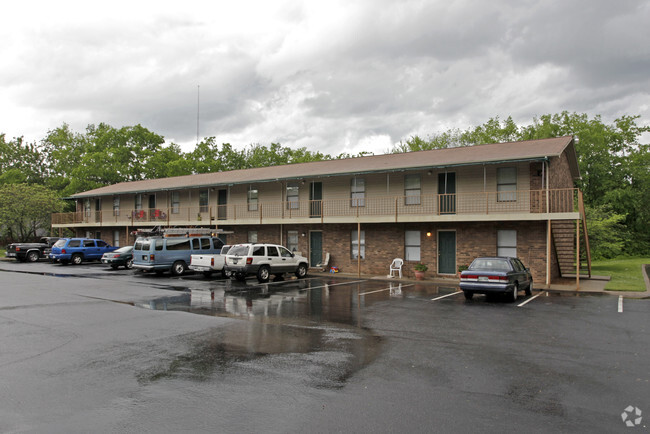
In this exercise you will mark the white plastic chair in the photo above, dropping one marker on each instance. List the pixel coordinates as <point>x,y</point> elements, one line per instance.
<point>323,264</point>
<point>396,265</point>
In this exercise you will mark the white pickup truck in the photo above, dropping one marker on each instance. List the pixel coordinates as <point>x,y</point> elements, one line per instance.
<point>210,263</point>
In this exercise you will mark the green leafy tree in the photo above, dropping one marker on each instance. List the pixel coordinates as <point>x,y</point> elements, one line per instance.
<point>21,162</point>
<point>26,209</point>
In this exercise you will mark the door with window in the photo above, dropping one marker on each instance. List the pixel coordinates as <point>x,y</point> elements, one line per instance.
<point>316,199</point>
<point>98,210</point>
<point>447,252</point>
<point>315,248</point>
<point>153,214</point>
<point>222,205</point>
<point>447,192</point>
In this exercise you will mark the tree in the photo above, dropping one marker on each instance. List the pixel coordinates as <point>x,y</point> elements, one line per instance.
<point>26,209</point>
<point>21,162</point>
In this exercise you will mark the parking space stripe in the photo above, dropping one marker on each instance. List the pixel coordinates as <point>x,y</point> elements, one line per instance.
<point>620,304</point>
<point>447,295</point>
<point>384,289</point>
<point>531,299</point>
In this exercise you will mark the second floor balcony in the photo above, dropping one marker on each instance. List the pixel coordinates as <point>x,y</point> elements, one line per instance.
<point>477,206</point>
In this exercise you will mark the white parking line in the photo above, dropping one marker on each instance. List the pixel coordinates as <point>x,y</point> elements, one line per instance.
<point>385,289</point>
<point>448,295</point>
<point>532,298</point>
<point>336,284</point>
<point>620,304</point>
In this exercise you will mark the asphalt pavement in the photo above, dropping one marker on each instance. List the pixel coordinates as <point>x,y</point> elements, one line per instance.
<point>89,348</point>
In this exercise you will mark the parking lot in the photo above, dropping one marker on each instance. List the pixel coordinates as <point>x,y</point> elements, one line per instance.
<point>115,350</point>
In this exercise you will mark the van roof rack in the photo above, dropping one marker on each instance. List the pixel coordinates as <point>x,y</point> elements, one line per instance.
<point>178,232</point>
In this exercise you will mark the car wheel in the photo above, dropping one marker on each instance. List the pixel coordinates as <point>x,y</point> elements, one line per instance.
<point>529,290</point>
<point>240,276</point>
<point>32,256</point>
<point>77,259</point>
<point>515,290</point>
<point>178,269</point>
<point>301,271</point>
<point>226,274</point>
<point>468,295</point>
<point>263,274</point>
<point>129,264</point>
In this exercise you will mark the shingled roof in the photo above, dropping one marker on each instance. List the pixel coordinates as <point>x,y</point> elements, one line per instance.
<point>438,158</point>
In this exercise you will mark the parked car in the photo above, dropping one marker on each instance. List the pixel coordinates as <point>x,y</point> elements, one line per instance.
<point>208,264</point>
<point>31,252</point>
<point>262,260</point>
<point>122,257</point>
<point>496,275</point>
<point>77,250</point>
<point>160,254</point>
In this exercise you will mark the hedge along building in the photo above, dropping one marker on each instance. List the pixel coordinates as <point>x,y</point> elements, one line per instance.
<point>440,207</point>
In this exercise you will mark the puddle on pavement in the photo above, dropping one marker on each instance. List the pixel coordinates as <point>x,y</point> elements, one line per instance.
<point>309,329</point>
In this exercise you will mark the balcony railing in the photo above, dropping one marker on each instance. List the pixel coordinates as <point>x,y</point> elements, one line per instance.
<point>388,208</point>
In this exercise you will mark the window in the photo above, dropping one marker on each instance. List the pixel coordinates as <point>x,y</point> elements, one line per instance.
<point>292,240</point>
<point>178,244</point>
<point>252,236</point>
<point>252,199</point>
<point>292,196</point>
<point>412,189</point>
<point>354,248</point>
<point>507,243</point>
<point>258,251</point>
<point>116,206</point>
<point>89,243</point>
<point>272,251</point>
<point>506,184</point>
<point>158,244</point>
<point>204,196</point>
<point>357,192</point>
<point>75,243</point>
<point>116,238</point>
<point>101,243</point>
<point>412,246</point>
<point>138,202</point>
<point>176,202</point>
<point>284,252</point>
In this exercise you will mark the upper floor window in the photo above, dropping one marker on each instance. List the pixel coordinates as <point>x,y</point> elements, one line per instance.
<point>292,196</point>
<point>204,196</point>
<point>138,201</point>
<point>252,199</point>
<point>176,202</point>
<point>506,184</point>
<point>116,206</point>
<point>87,207</point>
<point>412,189</point>
<point>358,192</point>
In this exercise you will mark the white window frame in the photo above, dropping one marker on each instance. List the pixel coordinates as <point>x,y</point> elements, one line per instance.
<point>293,191</point>
<point>116,205</point>
<point>354,245</point>
<point>176,202</point>
<point>357,192</point>
<point>412,246</point>
<point>507,184</point>
<point>507,242</point>
<point>292,241</point>
<point>252,236</point>
<point>411,193</point>
<point>252,198</point>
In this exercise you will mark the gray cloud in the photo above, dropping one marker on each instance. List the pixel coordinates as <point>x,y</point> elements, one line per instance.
<point>331,76</point>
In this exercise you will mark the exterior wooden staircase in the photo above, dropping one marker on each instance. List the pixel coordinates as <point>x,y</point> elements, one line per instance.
<point>564,243</point>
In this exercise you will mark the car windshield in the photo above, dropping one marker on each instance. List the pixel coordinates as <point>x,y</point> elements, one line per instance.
<point>125,249</point>
<point>59,243</point>
<point>492,264</point>
<point>238,250</point>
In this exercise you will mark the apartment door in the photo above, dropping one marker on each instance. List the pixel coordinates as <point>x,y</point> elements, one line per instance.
<point>153,215</point>
<point>447,192</point>
<point>98,210</point>
<point>447,252</point>
<point>316,199</point>
<point>222,205</point>
<point>315,248</point>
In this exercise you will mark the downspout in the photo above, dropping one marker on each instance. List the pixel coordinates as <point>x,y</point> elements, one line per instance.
<point>548,226</point>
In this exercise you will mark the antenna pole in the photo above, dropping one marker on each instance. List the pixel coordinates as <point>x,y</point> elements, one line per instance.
<point>198,95</point>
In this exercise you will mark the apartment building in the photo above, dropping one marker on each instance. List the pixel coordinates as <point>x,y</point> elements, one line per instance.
<point>439,207</point>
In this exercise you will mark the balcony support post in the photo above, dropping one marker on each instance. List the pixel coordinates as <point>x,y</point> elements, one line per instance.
<point>577,254</point>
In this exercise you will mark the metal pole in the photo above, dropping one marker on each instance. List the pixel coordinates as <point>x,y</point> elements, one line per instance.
<point>577,254</point>
<point>358,249</point>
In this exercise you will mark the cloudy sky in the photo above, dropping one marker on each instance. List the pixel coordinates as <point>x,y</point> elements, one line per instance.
<point>334,76</point>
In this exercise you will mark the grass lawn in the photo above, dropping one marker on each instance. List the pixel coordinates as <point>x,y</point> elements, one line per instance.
<point>626,273</point>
